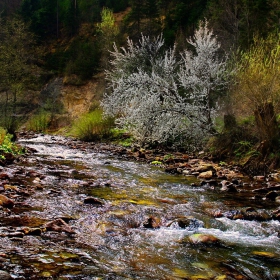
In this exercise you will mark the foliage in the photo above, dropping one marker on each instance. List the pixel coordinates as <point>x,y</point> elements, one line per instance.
<point>156,162</point>
<point>258,75</point>
<point>160,99</point>
<point>7,146</point>
<point>108,32</point>
<point>257,87</point>
<point>18,70</point>
<point>93,126</point>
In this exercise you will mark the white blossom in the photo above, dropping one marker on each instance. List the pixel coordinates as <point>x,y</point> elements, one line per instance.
<point>161,99</point>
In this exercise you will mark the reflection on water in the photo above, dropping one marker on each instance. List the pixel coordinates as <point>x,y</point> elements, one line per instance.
<point>112,242</point>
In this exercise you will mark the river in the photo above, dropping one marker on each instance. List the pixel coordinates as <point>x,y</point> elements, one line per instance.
<point>128,220</point>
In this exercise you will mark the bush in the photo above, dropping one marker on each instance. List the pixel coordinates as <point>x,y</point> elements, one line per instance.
<point>162,100</point>
<point>7,146</point>
<point>93,127</point>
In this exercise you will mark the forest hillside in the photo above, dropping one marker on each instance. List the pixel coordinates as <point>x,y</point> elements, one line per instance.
<point>184,75</point>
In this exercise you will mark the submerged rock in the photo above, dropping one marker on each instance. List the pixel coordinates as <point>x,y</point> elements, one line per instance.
<point>265,255</point>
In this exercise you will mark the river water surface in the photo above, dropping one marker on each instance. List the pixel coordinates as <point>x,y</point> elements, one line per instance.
<point>114,240</point>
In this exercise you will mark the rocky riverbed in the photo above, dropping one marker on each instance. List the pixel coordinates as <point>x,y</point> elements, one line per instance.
<point>75,210</point>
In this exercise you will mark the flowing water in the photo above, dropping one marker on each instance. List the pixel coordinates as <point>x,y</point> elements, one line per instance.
<point>113,241</point>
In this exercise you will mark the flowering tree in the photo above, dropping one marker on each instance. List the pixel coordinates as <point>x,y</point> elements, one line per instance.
<point>160,98</point>
<point>202,74</point>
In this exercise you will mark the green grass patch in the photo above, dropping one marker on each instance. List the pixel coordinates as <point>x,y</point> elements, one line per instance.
<point>93,126</point>
<point>39,122</point>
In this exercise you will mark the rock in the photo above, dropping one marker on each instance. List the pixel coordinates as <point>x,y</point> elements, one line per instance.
<point>259,178</point>
<point>204,168</point>
<point>189,223</point>
<point>11,188</point>
<point>59,225</point>
<point>276,214</point>
<point>228,186</point>
<point>172,169</point>
<point>265,255</point>
<point>16,234</point>
<point>4,275</point>
<point>152,223</point>
<point>93,201</point>
<point>271,195</point>
<point>231,214</point>
<point>6,202</point>
<point>206,175</point>
<point>5,176</point>
<point>251,213</point>
<point>206,239</point>
<point>34,231</point>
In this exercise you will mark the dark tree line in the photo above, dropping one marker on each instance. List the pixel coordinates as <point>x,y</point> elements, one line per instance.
<point>67,28</point>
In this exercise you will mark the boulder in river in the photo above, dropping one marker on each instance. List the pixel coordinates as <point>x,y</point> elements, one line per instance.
<point>152,223</point>
<point>203,239</point>
<point>6,202</point>
<point>189,223</point>
<point>228,186</point>
<point>93,201</point>
<point>272,195</point>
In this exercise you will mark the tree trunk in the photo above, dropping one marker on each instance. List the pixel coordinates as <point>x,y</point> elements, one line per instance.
<point>267,125</point>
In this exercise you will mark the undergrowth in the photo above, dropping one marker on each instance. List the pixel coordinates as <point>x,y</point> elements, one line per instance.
<point>93,126</point>
<point>7,146</point>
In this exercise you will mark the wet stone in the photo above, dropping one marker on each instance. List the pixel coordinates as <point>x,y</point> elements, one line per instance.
<point>189,223</point>
<point>272,195</point>
<point>59,225</point>
<point>265,255</point>
<point>152,223</point>
<point>203,239</point>
<point>206,175</point>
<point>6,202</point>
<point>4,275</point>
<point>4,176</point>
<point>93,201</point>
<point>34,231</point>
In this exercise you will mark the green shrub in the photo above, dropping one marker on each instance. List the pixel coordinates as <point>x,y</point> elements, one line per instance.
<point>7,146</point>
<point>39,122</point>
<point>93,126</point>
